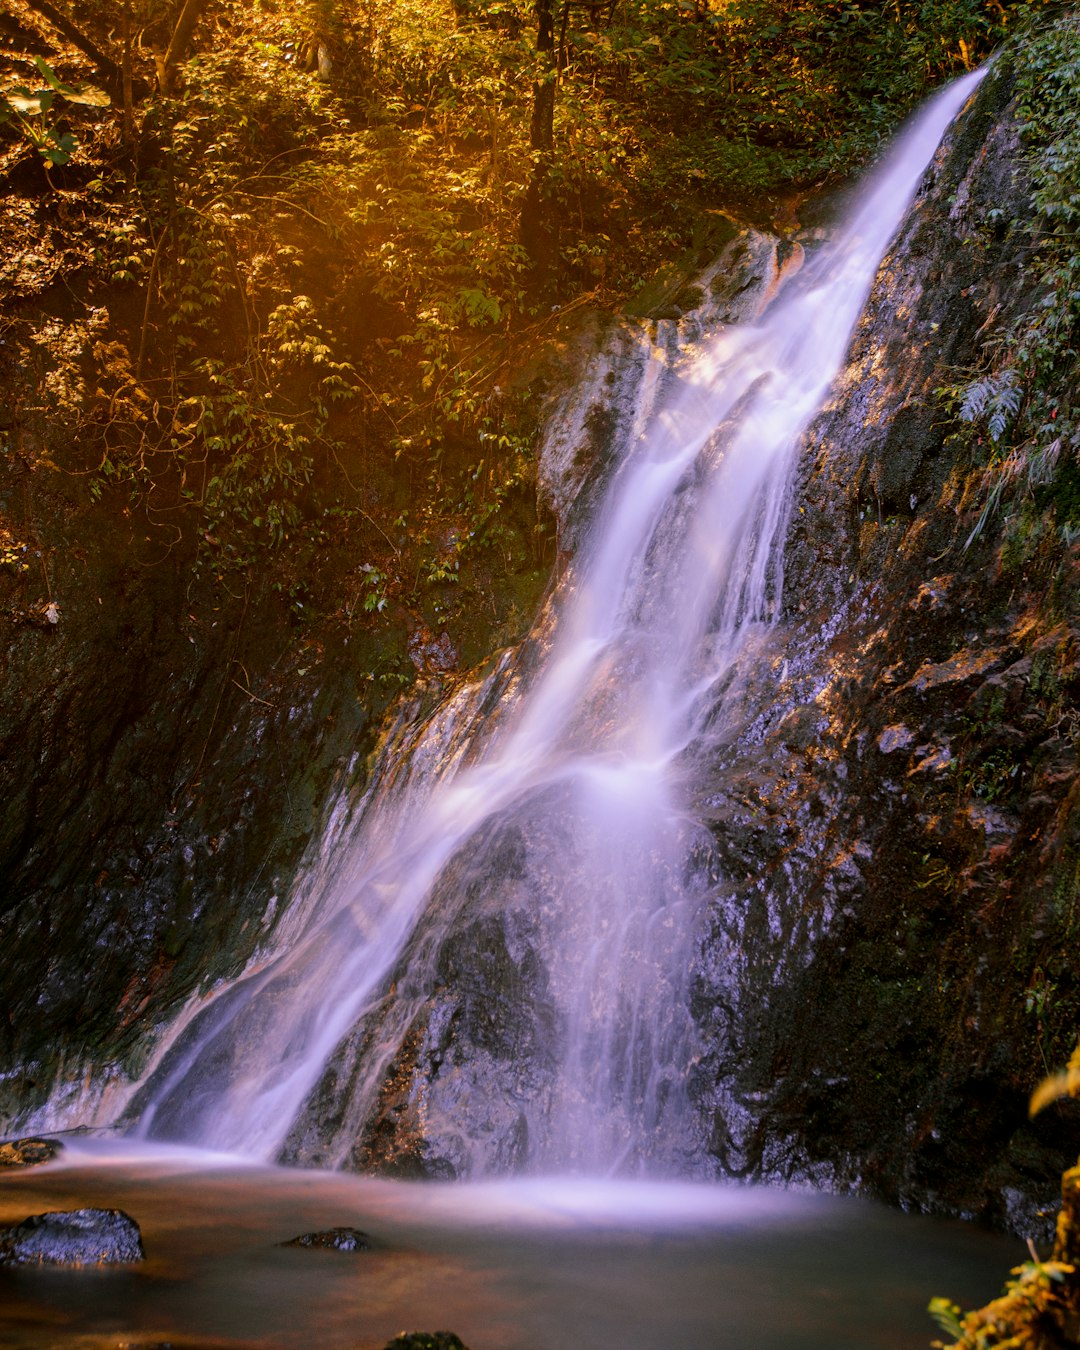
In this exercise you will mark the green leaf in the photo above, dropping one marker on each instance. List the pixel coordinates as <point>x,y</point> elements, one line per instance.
<point>25,100</point>
<point>86,94</point>
<point>49,77</point>
<point>947,1315</point>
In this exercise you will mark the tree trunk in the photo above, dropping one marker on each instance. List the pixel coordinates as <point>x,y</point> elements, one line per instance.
<point>537,235</point>
<point>179,43</point>
<point>542,124</point>
<point>128,84</point>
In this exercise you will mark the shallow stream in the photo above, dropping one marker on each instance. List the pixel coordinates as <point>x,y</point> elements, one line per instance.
<point>533,1264</point>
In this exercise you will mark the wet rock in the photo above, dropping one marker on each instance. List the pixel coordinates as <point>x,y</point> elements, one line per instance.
<point>622,369</point>
<point>963,667</point>
<point>857,891</point>
<point>28,1152</point>
<point>73,1237</point>
<point>109,913</point>
<point>474,1021</point>
<point>480,1055</point>
<point>893,738</point>
<point>426,1340</point>
<point>333,1240</point>
<point>432,655</point>
<point>935,759</point>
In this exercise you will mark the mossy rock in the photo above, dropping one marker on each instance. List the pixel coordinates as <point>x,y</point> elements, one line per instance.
<point>28,1152</point>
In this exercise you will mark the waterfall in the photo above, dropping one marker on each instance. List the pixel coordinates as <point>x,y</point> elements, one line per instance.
<point>558,786</point>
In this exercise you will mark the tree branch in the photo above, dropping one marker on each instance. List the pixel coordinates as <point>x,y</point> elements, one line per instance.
<point>107,65</point>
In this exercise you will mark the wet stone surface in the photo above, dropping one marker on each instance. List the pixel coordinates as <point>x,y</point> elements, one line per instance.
<point>28,1152</point>
<point>73,1237</point>
<point>333,1240</point>
<point>894,810</point>
<point>897,817</point>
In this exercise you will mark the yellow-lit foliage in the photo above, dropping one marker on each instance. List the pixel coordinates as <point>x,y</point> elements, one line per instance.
<point>1039,1308</point>
<point>1058,1085</point>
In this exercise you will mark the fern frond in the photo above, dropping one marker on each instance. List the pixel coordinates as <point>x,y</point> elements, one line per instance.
<point>975,398</point>
<point>996,399</point>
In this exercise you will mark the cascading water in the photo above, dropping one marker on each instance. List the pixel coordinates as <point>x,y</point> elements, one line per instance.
<point>560,789</point>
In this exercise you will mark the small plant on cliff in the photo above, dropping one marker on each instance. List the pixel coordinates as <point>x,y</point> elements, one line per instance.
<point>13,551</point>
<point>993,401</point>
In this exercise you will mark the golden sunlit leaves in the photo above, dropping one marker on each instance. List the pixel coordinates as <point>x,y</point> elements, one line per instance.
<point>1058,1085</point>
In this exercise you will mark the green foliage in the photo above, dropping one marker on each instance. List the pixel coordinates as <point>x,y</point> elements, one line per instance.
<point>766,93</point>
<point>376,596</point>
<point>31,113</point>
<point>992,776</point>
<point>1013,1320</point>
<point>1023,401</point>
<point>313,267</point>
<point>325,229</point>
<point>993,402</point>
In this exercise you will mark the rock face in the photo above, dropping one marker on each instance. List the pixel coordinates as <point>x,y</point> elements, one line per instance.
<point>472,1031</point>
<point>157,801</point>
<point>73,1237</point>
<point>884,961</point>
<point>482,1047</point>
<point>468,1045</point>
<point>899,818</point>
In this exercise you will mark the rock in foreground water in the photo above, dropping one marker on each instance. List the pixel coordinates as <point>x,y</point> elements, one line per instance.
<point>28,1152</point>
<point>72,1237</point>
<point>426,1340</point>
<point>333,1240</point>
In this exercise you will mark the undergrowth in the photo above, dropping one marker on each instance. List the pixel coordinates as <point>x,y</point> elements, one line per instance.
<point>1039,1308</point>
<point>311,283</point>
<point>1022,401</point>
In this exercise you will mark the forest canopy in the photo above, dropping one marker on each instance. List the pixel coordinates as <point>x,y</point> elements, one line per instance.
<point>308,236</point>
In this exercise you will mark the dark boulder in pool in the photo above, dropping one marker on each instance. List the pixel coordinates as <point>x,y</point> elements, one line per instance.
<point>426,1340</point>
<point>333,1240</point>
<point>72,1237</point>
<point>28,1152</point>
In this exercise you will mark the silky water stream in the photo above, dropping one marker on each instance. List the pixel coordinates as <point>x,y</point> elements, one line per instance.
<point>571,758</point>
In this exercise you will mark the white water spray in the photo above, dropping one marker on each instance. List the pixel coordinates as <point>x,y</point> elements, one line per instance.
<point>682,569</point>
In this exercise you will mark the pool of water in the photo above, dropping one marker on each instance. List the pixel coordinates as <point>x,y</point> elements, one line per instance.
<point>534,1264</point>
